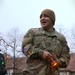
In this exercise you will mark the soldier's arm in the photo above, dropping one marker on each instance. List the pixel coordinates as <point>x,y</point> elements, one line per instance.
<point>27,45</point>
<point>65,54</point>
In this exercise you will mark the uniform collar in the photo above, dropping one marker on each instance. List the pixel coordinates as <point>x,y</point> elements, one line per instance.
<point>49,33</point>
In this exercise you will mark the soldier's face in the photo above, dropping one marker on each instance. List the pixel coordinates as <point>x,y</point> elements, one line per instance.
<point>45,22</point>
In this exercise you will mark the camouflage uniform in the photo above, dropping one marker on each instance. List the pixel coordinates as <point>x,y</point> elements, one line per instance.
<point>35,42</point>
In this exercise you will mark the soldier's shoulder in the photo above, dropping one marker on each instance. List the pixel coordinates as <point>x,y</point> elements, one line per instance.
<point>60,36</point>
<point>35,30</point>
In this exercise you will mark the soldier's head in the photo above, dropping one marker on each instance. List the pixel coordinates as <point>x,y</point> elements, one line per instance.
<point>47,18</point>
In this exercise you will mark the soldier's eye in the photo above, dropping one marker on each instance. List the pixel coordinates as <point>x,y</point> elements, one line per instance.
<point>40,16</point>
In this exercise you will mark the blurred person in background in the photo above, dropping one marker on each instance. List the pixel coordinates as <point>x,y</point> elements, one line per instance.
<point>3,70</point>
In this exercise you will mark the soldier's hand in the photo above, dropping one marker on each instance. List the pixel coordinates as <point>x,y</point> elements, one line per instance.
<point>45,54</point>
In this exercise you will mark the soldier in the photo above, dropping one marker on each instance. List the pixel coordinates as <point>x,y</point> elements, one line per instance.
<point>39,43</point>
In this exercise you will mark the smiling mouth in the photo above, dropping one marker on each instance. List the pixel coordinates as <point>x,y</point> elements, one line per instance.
<point>43,22</point>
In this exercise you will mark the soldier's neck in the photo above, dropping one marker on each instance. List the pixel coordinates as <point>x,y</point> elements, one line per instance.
<point>50,30</point>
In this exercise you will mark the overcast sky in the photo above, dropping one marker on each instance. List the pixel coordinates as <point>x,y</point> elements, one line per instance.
<point>24,14</point>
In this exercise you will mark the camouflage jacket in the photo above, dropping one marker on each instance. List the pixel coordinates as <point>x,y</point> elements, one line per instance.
<point>35,42</point>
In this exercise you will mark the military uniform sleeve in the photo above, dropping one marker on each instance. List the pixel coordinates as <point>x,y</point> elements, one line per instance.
<point>27,46</point>
<point>65,53</point>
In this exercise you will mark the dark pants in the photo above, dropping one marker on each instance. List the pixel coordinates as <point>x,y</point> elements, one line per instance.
<point>2,73</point>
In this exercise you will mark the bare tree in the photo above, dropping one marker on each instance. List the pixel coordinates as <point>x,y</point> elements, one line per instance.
<point>11,42</point>
<point>73,38</point>
<point>14,38</point>
<point>62,29</point>
<point>3,44</point>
